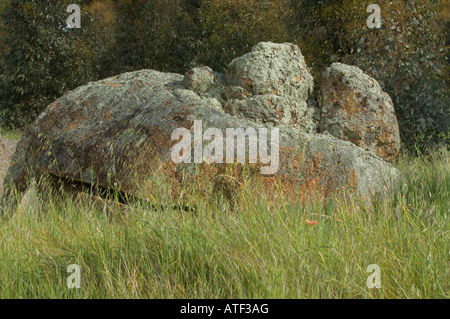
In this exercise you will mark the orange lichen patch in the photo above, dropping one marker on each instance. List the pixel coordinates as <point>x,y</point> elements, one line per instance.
<point>244,94</point>
<point>116,84</point>
<point>376,130</point>
<point>305,68</point>
<point>291,159</point>
<point>54,104</point>
<point>386,149</point>
<point>107,115</point>
<point>278,112</point>
<point>105,83</point>
<point>271,186</point>
<point>233,93</point>
<point>298,78</point>
<point>347,103</point>
<point>71,126</point>
<point>316,183</point>
<point>232,181</point>
<point>315,164</point>
<point>159,139</point>
<point>386,146</point>
<point>342,97</point>
<point>48,122</point>
<point>89,135</point>
<point>353,180</point>
<point>88,103</point>
<point>248,83</point>
<point>312,187</point>
<point>354,134</point>
<point>229,180</point>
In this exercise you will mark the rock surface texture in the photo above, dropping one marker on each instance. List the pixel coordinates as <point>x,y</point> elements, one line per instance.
<point>355,108</point>
<point>118,131</point>
<point>7,149</point>
<point>272,84</point>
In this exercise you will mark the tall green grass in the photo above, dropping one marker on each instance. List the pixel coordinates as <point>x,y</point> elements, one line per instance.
<point>260,248</point>
<point>10,134</point>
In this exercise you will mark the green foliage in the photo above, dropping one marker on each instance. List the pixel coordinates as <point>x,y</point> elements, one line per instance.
<point>319,29</point>
<point>407,56</point>
<point>230,29</point>
<point>175,35</point>
<point>41,59</point>
<point>153,34</point>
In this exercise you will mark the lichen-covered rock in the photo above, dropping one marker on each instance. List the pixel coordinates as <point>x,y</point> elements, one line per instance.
<point>272,68</point>
<point>203,79</point>
<point>118,132</point>
<point>7,149</point>
<point>236,93</point>
<point>275,109</point>
<point>355,108</point>
<point>272,84</point>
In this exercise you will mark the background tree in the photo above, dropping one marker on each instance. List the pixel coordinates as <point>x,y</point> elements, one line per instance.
<point>156,34</point>
<point>407,55</point>
<point>231,28</point>
<point>103,26</point>
<point>41,58</point>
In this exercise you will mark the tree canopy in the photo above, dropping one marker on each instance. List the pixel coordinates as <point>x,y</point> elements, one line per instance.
<point>41,59</point>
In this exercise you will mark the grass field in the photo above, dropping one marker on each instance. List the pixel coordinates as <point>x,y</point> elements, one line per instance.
<point>261,248</point>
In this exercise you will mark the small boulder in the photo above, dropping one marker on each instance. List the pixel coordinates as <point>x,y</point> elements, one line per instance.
<point>272,68</point>
<point>355,108</point>
<point>202,79</point>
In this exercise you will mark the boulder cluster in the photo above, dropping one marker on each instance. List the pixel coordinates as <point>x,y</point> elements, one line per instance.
<point>118,131</point>
<point>272,84</point>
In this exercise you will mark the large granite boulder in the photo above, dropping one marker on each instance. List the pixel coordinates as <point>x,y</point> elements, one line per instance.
<point>355,108</point>
<point>123,131</point>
